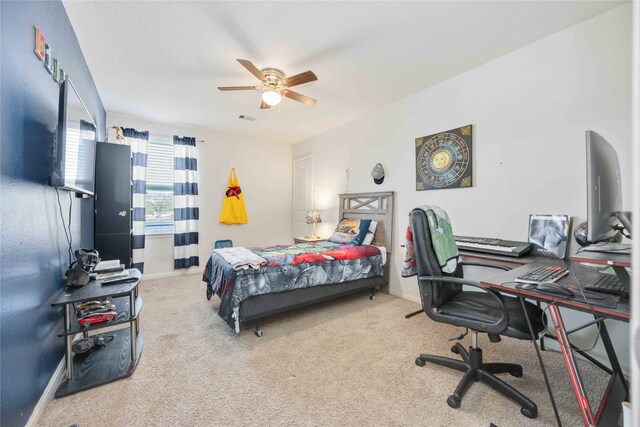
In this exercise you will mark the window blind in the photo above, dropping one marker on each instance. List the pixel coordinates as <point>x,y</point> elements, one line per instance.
<point>159,201</point>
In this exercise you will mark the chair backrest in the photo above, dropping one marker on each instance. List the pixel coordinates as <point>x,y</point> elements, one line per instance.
<point>219,244</point>
<point>432,293</point>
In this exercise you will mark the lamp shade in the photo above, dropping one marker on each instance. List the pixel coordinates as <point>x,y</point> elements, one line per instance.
<point>271,97</point>
<point>313,217</point>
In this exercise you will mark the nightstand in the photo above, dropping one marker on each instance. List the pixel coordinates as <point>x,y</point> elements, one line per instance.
<point>308,239</point>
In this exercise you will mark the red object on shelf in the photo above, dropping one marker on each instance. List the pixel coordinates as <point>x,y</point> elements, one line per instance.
<point>97,318</point>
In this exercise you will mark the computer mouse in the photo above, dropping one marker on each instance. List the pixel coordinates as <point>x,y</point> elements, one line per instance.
<point>554,288</point>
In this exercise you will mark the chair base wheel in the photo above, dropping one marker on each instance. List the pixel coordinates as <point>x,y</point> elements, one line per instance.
<point>517,374</point>
<point>454,349</point>
<point>372,297</point>
<point>454,402</point>
<point>258,333</point>
<point>529,413</point>
<point>420,362</point>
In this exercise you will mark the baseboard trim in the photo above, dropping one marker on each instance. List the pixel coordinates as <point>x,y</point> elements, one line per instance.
<point>171,274</point>
<point>47,394</point>
<point>406,297</point>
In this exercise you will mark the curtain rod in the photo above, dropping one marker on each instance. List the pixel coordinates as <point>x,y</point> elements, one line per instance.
<point>159,135</point>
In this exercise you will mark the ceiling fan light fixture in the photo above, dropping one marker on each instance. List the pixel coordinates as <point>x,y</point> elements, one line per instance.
<point>275,84</point>
<point>271,97</point>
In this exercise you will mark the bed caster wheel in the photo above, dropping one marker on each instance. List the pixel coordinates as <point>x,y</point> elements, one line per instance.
<point>454,402</point>
<point>529,413</point>
<point>517,373</point>
<point>258,333</point>
<point>372,297</point>
<point>209,294</point>
<point>420,362</point>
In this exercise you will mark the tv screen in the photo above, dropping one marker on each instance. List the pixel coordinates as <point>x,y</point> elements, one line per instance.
<point>76,145</point>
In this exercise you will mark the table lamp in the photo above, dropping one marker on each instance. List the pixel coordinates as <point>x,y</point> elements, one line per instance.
<point>313,217</point>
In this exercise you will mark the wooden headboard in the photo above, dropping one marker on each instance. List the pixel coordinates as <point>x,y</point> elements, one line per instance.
<point>377,206</point>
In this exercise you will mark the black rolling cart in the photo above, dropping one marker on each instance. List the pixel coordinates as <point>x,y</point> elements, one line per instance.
<point>119,357</point>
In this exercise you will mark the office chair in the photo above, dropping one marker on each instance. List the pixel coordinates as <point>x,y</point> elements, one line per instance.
<point>444,300</point>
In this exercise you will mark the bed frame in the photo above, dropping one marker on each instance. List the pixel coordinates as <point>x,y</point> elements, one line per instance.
<point>377,206</point>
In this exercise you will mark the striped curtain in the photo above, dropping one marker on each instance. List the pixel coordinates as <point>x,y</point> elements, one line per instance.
<point>138,143</point>
<point>185,203</point>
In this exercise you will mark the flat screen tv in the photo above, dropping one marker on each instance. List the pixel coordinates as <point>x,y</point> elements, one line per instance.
<point>76,144</point>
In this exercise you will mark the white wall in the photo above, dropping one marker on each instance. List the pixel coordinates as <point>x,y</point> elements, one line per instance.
<point>529,111</point>
<point>264,172</point>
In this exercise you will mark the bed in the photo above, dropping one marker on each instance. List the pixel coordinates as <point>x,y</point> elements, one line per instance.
<point>238,308</point>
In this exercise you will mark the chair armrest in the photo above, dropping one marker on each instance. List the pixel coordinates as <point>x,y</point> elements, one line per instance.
<point>493,328</point>
<point>480,264</point>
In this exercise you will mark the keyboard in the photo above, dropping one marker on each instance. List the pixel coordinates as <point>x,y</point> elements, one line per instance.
<point>545,273</point>
<point>608,284</point>
<point>492,246</point>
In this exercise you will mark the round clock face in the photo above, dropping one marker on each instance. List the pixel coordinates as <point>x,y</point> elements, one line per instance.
<point>442,160</point>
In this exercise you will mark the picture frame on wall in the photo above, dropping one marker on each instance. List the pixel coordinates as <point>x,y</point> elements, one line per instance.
<point>444,159</point>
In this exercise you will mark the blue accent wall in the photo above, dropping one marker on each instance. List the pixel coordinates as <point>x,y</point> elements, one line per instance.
<point>33,251</point>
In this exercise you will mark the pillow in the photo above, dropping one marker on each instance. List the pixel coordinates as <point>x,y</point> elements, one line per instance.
<point>362,233</point>
<point>346,231</point>
<point>370,233</point>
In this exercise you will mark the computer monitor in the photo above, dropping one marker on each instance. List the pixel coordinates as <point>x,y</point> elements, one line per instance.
<point>604,190</point>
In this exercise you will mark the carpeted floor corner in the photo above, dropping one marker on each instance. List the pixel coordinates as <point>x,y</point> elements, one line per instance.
<point>347,362</point>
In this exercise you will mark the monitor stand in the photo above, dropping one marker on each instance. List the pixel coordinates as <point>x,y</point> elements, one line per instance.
<point>616,248</point>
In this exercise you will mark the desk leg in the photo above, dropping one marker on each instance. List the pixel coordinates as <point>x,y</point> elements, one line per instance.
<point>544,371</point>
<point>572,367</point>
<point>617,390</point>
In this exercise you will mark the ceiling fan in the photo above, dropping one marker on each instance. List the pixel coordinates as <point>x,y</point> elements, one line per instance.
<point>275,84</point>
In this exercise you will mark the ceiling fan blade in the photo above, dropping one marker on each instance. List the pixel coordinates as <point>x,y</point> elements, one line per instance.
<point>223,88</point>
<point>299,97</point>
<point>301,78</point>
<point>264,105</point>
<point>252,69</point>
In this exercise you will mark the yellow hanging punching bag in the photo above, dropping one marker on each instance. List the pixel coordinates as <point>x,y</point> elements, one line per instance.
<point>233,209</point>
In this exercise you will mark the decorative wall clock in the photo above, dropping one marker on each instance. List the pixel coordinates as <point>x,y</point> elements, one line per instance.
<point>444,160</point>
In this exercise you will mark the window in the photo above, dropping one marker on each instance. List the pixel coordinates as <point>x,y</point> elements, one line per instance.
<point>159,200</point>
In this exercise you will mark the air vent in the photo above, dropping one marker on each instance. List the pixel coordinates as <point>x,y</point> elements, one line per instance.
<point>248,118</point>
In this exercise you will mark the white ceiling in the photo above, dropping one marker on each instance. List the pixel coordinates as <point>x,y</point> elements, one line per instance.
<point>164,60</point>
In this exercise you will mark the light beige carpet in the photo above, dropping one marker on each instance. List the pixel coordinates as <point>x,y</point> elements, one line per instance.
<point>343,363</point>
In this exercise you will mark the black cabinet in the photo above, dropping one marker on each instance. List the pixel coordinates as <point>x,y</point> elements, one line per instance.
<point>113,202</point>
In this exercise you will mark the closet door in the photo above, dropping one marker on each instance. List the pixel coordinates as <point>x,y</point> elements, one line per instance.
<point>302,195</point>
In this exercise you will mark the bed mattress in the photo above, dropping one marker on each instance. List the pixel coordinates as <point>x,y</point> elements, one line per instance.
<point>290,267</point>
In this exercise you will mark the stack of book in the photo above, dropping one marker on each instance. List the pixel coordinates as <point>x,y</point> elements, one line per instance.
<point>109,266</point>
<point>112,273</point>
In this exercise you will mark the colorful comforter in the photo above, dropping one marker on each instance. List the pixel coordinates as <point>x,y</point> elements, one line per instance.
<point>289,267</point>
